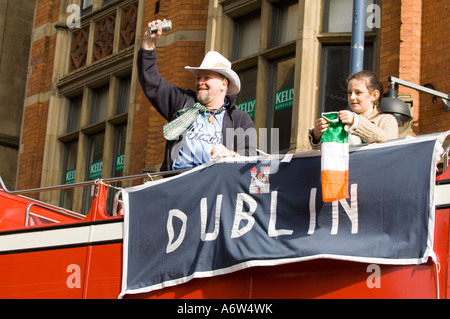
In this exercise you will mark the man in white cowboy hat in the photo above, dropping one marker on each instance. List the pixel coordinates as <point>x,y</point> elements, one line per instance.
<point>204,124</point>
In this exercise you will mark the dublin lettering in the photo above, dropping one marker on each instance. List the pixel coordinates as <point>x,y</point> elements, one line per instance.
<point>245,208</point>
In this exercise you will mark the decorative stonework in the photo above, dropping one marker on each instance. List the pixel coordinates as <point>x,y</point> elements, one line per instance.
<point>103,35</point>
<point>79,46</point>
<point>103,38</point>
<point>128,26</point>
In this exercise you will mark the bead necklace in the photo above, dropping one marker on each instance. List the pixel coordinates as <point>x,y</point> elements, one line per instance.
<point>211,117</point>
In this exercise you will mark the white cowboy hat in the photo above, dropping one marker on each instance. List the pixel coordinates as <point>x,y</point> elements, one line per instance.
<point>216,62</point>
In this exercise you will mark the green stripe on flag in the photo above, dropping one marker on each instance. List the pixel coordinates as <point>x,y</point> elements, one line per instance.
<point>336,131</point>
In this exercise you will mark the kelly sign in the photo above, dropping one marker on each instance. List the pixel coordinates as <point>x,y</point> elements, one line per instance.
<point>284,99</point>
<point>248,107</point>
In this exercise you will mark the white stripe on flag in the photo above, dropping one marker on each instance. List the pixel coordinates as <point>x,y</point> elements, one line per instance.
<point>336,158</point>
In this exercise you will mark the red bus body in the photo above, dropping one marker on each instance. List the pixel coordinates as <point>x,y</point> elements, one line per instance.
<point>66,255</point>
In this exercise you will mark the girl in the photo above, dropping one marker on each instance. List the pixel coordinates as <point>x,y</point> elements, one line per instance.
<point>365,122</point>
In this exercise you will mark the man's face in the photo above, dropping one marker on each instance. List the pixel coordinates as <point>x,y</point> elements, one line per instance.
<point>209,86</point>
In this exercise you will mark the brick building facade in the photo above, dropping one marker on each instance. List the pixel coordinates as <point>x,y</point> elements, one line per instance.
<point>413,49</point>
<point>434,66</point>
<point>409,44</point>
<point>16,20</point>
<point>187,16</point>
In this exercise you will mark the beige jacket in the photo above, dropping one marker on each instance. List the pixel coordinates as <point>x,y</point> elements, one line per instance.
<point>376,128</point>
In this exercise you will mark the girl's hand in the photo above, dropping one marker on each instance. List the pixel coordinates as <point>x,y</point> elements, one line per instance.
<point>320,126</point>
<point>347,117</point>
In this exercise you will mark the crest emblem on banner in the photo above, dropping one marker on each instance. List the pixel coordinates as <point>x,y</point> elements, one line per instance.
<point>260,181</point>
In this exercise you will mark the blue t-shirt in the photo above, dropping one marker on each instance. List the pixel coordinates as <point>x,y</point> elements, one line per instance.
<point>200,139</point>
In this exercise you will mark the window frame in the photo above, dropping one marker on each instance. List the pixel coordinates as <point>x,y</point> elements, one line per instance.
<point>271,96</point>
<point>330,39</point>
<point>264,58</point>
<point>70,191</point>
<point>112,86</point>
<point>86,9</point>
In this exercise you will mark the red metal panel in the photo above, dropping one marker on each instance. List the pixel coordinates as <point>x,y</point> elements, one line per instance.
<point>46,274</point>
<point>310,279</point>
<point>13,211</point>
<point>103,279</point>
<point>95,271</point>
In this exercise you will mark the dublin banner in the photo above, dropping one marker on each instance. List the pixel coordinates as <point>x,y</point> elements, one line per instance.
<point>229,215</point>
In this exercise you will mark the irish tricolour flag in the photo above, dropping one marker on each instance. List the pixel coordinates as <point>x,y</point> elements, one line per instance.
<point>334,159</point>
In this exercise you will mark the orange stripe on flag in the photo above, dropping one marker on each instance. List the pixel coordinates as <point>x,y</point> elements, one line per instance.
<point>334,185</point>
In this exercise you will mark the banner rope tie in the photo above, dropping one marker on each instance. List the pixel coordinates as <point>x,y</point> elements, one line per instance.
<point>100,181</point>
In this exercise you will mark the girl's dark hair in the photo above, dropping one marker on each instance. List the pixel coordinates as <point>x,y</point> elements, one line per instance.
<point>372,83</point>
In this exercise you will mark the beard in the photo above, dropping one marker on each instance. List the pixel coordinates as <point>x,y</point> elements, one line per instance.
<point>204,97</point>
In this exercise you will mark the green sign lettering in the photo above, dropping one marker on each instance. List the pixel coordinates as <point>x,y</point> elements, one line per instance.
<point>284,99</point>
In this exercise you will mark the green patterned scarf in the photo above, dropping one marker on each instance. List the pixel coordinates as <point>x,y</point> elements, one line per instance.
<point>185,117</point>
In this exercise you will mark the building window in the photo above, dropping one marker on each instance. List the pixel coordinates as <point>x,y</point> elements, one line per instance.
<point>69,173</point>
<point>95,138</point>
<point>335,61</point>
<point>246,35</point>
<point>124,95</point>
<point>119,161</point>
<point>99,109</point>
<point>335,70</point>
<point>263,50</point>
<point>74,116</point>
<point>86,6</point>
<point>97,91</point>
<point>282,101</point>
<point>263,55</point>
<point>119,150</point>
<point>246,98</point>
<point>285,19</point>
<point>95,156</point>
<point>94,166</point>
<point>338,15</point>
